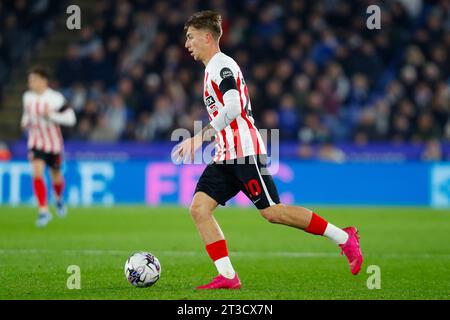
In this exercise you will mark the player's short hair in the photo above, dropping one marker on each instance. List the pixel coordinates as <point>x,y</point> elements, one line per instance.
<point>209,20</point>
<point>39,70</point>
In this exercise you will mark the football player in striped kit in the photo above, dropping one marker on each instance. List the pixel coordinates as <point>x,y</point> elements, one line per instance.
<point>44,110</point>
<point>237,165</point>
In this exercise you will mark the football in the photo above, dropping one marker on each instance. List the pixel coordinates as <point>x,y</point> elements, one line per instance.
<point>142,269</point>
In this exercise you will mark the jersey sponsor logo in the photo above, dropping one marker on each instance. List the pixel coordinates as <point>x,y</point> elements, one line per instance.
<point>225,72</point>
<point>209,101</point>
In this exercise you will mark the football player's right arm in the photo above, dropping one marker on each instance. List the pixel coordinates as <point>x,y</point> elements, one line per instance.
<point>25,121</point>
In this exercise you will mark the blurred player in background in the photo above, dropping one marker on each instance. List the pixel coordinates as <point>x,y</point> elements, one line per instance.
<point>227,101</point>
<point>44,110</point>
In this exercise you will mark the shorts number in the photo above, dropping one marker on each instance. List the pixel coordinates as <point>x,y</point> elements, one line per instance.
<point>253,187</point>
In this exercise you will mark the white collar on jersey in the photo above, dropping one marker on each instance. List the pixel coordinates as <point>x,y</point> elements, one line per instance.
<point>214,57</point>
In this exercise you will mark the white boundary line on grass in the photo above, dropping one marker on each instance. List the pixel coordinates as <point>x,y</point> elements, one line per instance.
<point>169,253</point>
<point>262,254</point>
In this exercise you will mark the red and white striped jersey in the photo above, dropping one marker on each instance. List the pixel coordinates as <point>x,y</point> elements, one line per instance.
<point>241,137</point>
<point>44,134</point>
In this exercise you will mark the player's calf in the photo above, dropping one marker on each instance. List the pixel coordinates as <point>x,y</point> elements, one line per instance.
<point>297,217</point>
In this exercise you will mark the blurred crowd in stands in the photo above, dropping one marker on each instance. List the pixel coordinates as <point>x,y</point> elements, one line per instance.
<point>313,68</point>
<point>23,25</point>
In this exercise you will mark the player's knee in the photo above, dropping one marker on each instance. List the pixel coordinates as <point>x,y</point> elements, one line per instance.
<point>271,214</point>
<point>38,174</point>
<point>199,212</point>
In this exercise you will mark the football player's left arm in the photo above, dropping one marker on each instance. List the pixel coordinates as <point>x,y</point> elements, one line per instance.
<point>64,116</point>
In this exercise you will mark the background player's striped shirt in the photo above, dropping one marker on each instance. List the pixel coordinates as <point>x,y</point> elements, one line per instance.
<point>44,134</point>
<point>241,138</point>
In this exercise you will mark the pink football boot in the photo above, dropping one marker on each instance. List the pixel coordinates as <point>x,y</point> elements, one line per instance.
<point>352,250</point>
<point>220,282</point>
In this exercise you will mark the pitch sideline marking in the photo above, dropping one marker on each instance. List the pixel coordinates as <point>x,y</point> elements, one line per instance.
<point>285,254</point>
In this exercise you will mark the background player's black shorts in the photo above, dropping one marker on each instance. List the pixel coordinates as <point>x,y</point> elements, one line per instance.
<point>223,180</point>
<point>53,160</point>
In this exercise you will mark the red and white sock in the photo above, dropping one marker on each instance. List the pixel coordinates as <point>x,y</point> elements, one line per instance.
<point>320,226</point>
<point>58,187</point>
<point>218,252</point>
<point>40,191</point>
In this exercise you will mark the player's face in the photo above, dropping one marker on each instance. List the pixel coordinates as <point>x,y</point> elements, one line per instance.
<point>195,42</point>
<point>36,82</point>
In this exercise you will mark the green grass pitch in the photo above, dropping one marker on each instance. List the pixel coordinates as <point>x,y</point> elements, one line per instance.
<point>411,246</point>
